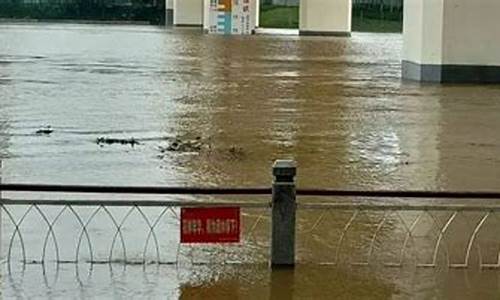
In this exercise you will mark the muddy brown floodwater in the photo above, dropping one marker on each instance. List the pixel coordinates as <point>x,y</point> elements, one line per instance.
<point>335,105</point>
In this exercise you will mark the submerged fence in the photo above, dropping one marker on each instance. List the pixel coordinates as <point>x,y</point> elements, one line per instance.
<point>280,224</point>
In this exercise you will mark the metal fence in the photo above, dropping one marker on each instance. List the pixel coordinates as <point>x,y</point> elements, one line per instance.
<point>125,232</point>
<point>425,236</point>
<point>281,225</point>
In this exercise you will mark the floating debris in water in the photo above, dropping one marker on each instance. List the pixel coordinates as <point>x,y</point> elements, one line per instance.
<point>202,147</point>
<point>45,131</point>
<point>180,145</point>
<point>109,141</point>
<point>235,152</point>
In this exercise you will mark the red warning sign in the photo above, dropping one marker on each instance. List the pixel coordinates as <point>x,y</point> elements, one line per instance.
<point>210,225</point>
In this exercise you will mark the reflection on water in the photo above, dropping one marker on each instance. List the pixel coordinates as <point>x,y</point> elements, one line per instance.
<point>337,106</point>
<point>302,283</point>
<point>249,282</point>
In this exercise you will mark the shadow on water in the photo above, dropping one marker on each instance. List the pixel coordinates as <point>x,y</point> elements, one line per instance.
<point>305,282</point>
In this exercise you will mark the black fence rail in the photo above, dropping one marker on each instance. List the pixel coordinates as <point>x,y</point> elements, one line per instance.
<point>157,190</point>
<point>145,190</point>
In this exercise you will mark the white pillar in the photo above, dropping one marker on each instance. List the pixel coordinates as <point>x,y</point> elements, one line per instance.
<point>206,15</point>
<point>325,17</point>
<point>451,40</point>
<point>188,12</point>
<point>257,13</point>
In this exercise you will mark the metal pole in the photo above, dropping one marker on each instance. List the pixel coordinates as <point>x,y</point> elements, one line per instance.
<point>283,214</point>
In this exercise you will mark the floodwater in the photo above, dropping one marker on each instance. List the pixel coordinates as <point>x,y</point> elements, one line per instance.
<point>335,105</point>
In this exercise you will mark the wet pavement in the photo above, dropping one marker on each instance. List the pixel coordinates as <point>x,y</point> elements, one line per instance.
<point>337,106</point>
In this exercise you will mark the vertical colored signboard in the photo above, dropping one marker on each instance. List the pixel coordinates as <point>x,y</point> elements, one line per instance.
<point>245,17</point>
<point>210,225</point>
<point>231,16</point>
<point>224,17</point>
<point>213,8</point>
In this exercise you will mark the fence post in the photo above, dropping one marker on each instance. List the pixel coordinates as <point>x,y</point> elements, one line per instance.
<point>283,214</point>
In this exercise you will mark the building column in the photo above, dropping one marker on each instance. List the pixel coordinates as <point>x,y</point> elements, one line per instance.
<point>451,41</point>
<point>188,12</point>
<point>325,17</point>
<point>257,13</point>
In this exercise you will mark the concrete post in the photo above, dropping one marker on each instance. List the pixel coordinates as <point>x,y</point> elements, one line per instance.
<point>283,214</point>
